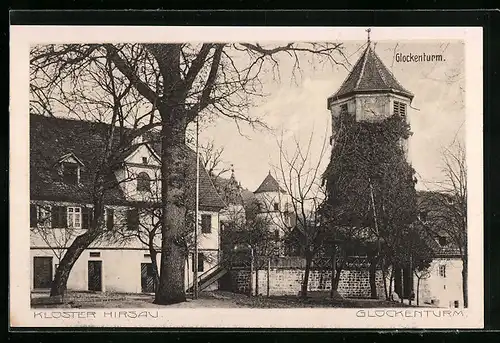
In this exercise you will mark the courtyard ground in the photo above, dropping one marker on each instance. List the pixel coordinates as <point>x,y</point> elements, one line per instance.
<point>216,299</point>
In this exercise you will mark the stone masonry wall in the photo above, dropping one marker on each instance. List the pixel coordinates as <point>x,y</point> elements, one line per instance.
<point>352,283</point>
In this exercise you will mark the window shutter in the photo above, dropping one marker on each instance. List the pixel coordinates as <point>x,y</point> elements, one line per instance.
<point>87,216</point>
<point>206,223</point>
<point>201,259</point>
<point>33,215</point>
<point>133,219</point>
<point>63,217</point>
<point>110,222</point>
<point>343,109</point>
<point>59,217</point>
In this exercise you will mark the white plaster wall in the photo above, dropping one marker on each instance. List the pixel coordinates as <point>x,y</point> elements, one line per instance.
<point>335,106</point>
<point>382,104</point>
<point>121,269</point>
<point>209,240</point>
<point>444,291</point>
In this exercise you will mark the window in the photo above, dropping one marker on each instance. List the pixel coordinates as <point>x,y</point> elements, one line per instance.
<point>456,303</point>
<point>343,109</point>
<point>74,217</point>
<point>95,254</point>
<point>399,109</point>
<point>133,219</point>
<point>144,160</point>
<point>110,218</point>
<point>147,255</point>
<point>206,223</point>
<point>87,215</point>
<point>70,173</point>
<point>442,271</point>
<point>59,217</point>
<point>201,260</point>
<point>442,241</point>
<point>276,206</point>
<point>33,215</point>
<point>143,182</point>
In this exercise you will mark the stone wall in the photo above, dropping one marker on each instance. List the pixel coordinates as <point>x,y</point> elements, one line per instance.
<point>353,283</point>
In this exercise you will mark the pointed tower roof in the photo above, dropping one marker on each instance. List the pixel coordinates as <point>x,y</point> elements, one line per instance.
<point>269,185</point>
<point>369,75</point>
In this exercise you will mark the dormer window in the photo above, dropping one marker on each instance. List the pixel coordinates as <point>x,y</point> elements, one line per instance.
<point>442,241</point>
<point>70,173</point>
<point>143,182</point>
<point>399,108</point>
<point>69,169</point>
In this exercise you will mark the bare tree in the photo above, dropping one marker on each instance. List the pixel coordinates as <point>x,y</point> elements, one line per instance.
<point>448,207</point>
<point>300,175</point>
<point>66,82</point>
<point>179,82</point>
<point>212,160</point>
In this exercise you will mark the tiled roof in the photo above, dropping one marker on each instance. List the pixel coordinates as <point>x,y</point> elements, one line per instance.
<point>436,225</point>
<point>269,185</point>
<point>230,190</point>
<point>369,75</point>
<point>51,138</point>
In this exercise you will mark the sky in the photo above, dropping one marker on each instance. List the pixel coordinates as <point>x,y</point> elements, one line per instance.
<point>298,109</point>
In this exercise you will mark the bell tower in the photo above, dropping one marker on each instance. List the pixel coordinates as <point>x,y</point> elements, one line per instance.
<point>369,93</point>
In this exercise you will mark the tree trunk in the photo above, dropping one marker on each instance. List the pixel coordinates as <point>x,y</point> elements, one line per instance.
<point>464,282</point>
<point>153,255</point>
<point>384,280</point>
<point>257,280</point>
<point>305,282</point>
<point>373,284</point>
<point>334,269</point>
<point>418,291</point>
<point>59,284</point>
<point>391,279</point>
<point>173,166</point>
<point>82,242</point>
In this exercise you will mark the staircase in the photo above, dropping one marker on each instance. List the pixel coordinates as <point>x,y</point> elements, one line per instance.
<point>209,277</point>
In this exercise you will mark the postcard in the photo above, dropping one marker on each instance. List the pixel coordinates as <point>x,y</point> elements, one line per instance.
<point>246,177</point>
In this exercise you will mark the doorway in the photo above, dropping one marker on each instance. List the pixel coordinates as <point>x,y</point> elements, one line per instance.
<point>147,278</point>
<point>95,276</point>
<point>42,272</point>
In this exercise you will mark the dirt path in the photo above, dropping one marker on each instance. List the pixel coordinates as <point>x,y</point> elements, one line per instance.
<point>216,299</point>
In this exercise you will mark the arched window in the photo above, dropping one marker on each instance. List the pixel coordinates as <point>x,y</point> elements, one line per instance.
<point>143,182</point>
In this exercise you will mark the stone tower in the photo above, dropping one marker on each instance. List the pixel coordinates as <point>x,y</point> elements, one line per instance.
<point>369,93</point>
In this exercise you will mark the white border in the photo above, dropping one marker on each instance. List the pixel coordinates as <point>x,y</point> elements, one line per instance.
<point>21,314</point>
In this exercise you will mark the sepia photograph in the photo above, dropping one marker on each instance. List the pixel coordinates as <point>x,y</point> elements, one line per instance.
<point>244,171</point>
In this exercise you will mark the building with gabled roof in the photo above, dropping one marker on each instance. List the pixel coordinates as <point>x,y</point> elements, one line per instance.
<point>65,156</point>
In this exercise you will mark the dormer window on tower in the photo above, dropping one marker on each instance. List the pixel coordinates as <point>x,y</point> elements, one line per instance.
<point>399,108</point>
